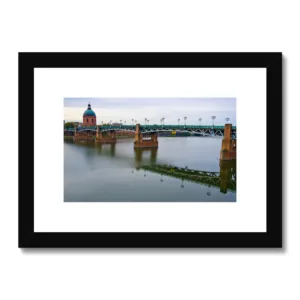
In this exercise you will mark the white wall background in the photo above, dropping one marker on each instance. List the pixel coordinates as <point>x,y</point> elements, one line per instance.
<point>148,26</point>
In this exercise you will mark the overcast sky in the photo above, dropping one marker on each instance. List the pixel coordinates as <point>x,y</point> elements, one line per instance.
<point>172,109</point>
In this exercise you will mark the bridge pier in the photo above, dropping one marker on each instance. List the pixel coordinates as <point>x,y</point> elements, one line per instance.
<point>228,150</point>
<point>100,138</point>
<point>82,136</point>
<point>139,142</point>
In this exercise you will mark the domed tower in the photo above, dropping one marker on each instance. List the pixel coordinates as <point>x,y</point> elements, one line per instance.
<point>89,117</point>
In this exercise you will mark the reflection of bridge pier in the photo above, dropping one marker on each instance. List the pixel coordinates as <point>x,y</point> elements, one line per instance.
<point>138,155</point>
<point>105,138</point>
<point>110,148</point>
<point>140,142</point>
<point>227,174</point>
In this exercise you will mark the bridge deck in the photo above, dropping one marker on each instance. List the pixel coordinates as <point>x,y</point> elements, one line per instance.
<point>152,127</point>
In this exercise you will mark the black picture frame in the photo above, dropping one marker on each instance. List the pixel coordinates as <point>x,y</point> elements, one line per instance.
<point>271,238</point>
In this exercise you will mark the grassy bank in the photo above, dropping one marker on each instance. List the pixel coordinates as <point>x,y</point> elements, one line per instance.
<point>68,138</point>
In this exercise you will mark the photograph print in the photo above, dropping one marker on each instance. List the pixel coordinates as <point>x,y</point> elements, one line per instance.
<point>144,150</point>
<point>150,149</point>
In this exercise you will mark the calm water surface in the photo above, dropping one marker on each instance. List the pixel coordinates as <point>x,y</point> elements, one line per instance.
<point>109,173</point>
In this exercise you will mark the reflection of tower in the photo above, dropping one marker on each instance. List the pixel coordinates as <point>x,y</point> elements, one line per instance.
<point>227,172</point>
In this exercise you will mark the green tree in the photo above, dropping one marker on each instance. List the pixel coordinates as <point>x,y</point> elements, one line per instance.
<point>69,125</point>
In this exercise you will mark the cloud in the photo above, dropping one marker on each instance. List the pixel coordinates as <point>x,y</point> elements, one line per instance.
<point>154,109</point>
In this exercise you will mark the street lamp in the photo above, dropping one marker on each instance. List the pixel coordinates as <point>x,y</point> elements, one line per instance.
<point>132,120</point>
<point>227,119</point>
<point>178,122</point>
<point>145,121</point>
<point>200,119</point>
<point>213,118</point>
<point>185,121</point>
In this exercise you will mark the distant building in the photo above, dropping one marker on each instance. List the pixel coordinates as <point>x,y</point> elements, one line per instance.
<point>89,117</point>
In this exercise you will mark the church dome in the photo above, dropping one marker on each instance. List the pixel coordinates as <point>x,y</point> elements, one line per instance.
<point>89,112</point>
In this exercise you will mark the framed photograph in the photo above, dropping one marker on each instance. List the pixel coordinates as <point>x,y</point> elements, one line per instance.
<point>150,150</point>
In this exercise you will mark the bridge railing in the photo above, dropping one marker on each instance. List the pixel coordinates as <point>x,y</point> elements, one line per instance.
<point>165,126</point>
<point>151,127</point>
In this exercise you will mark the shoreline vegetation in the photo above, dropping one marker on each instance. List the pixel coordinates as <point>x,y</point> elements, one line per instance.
<point>70,137</point>
<point>126,137</point>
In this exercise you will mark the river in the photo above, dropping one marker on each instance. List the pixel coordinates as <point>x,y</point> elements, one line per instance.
<point>112,173</point>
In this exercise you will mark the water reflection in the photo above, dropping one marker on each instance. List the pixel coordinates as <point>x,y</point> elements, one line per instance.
<point>106,149</point>
<point>155,174</point>
<point>227,175</point>
<point>103,149</point>
<point>138,156</point>
<point>225,178</point>
<point>146,159</point>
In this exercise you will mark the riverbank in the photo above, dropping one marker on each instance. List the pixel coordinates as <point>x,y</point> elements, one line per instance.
<point>68,138</point>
